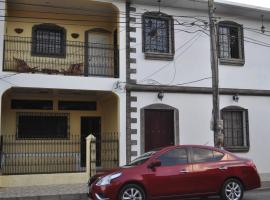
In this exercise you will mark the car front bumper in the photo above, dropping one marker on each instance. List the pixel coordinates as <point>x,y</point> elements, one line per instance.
<point>108,192</point>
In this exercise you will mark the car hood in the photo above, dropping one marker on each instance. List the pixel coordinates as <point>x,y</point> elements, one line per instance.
<point>105,172</point>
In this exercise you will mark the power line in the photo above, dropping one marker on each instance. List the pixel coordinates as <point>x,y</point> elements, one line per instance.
<point>193,40</point>
<point>83,9</point>
<point>194,81</point>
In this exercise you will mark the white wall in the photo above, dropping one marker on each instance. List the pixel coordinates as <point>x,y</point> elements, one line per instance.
<point>195,115</point>
<point>192,61</point>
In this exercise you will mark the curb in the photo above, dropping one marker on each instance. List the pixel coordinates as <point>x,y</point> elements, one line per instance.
<point>49,197</point>
<point>263,188</point>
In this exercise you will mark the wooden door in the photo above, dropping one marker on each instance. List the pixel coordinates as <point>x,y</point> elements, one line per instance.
<point>90,125</point>
<point>159,128</point>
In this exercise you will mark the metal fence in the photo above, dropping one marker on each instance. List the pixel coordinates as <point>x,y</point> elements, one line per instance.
<point>107,150</point>
<point>79,58</point>
<point>34,156</point>
<point>39,156</point>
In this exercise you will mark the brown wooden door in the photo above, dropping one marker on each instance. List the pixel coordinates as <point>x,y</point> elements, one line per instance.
<point>159,128</point>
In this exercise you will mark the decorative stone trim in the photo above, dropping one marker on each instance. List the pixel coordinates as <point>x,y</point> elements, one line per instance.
<point>132,81</point>
<point>133,99</point>
<point>132,60</point>
<point>134,142</point>
<point>129,80</point>
<point>132,71</point>
<point>132,9</point>
<point>134,131</point>
<point>132,39</point>
<point>132,19</point>
<point>132,29</point>
<point>133,109</point>
<point>132,50</point>
<point>134,153</point>
<point>133,120</point>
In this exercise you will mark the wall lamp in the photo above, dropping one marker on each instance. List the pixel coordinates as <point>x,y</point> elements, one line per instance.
<point>235,98</point>
<point>160,95</point>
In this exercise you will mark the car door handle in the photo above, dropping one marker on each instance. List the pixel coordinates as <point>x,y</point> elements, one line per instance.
<point>223,168</point>
<point>183,171</point>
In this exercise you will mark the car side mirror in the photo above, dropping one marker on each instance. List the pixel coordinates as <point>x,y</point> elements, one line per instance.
<point>154,164</point>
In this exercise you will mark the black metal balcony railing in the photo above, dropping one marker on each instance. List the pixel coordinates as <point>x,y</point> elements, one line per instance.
<point>85,59</point>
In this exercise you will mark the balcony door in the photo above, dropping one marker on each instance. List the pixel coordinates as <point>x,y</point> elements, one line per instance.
<point>100,52</point>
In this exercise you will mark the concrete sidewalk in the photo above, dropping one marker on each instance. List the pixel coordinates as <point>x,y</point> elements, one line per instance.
<point>58,192</point>
<point>49,192</point>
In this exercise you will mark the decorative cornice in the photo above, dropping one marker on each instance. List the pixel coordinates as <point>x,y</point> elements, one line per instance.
<point>195,90</point>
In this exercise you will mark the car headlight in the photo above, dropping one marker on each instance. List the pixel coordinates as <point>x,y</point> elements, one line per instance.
<point>106,180</point>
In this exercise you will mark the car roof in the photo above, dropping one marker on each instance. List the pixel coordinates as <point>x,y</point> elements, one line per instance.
<point>192,145</point>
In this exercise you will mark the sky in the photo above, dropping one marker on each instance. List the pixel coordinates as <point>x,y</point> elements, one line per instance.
<point>261,3</point>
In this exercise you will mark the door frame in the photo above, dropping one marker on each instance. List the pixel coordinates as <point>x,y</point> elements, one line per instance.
<point>81,121</point>
<point>86,40</point>
<point>159,106</point>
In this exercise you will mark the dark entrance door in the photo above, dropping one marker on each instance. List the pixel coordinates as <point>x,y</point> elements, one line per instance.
<point>90,125</point>
<point>159,128</point>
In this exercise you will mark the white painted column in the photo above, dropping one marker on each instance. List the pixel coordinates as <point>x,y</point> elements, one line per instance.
<point>3,89</point>
<point>122,127</point>
<point>2,32</point>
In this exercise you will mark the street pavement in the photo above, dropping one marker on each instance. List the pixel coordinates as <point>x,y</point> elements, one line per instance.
<point>250,195</point>
<point>38,193</point>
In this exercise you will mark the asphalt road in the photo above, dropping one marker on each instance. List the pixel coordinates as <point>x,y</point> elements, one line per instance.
<point>251,195</point>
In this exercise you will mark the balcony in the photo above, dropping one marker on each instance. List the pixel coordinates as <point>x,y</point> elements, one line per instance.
<point>78,59</point>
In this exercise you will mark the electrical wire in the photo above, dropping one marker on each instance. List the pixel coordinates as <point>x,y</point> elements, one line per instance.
<point>192,40</point>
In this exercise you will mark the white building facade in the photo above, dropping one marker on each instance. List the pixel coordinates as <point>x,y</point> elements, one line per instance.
<point>171,97</point>
<point>129,72</point>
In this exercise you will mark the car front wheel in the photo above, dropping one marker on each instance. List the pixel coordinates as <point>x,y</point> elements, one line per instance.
<point>232,190</point>
<point>132,192</point>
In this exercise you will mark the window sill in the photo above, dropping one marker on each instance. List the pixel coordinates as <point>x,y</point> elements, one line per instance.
<point>159,56</point>
<point>237,149</point>
<point>233,62</point>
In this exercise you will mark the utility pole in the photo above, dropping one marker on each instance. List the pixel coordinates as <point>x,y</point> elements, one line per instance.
<point>217,122</point>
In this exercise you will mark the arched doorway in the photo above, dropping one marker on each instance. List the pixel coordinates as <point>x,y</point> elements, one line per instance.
<point>159,126</point>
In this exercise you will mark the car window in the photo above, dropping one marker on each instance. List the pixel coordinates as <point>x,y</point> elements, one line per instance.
<point>174,157</point>
<point>202,155</point>
<point>218,155</point>
<point>141,159</point>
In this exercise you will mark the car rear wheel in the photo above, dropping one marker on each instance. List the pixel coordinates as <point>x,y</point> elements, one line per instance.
<point>132,192</point>
<point>232,190</point>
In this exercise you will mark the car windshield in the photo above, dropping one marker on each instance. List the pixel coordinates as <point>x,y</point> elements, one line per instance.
<point>141,159</point>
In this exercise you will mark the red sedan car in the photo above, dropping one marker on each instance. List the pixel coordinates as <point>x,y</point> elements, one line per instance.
<point>176,172</point>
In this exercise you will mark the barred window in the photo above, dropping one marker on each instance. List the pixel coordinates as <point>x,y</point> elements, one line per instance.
<point>236,137</point>
<point>158,38</point>
<point>48,40</point>
<point>231,46</point>
<point>42,125</point>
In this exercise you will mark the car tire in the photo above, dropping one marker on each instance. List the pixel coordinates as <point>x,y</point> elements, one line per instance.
<point>232,190</point>
<point>132,191</point>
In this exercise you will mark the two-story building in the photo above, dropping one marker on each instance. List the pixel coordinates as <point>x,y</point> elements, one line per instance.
<point>169,96</point>
<point>62,62</point>
<point>135,74</point>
